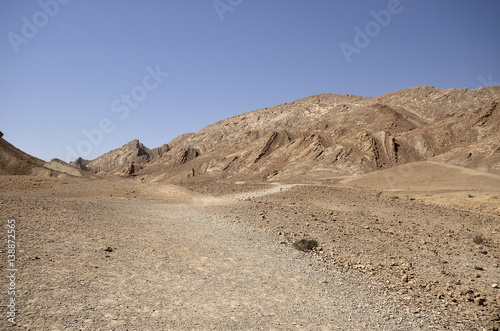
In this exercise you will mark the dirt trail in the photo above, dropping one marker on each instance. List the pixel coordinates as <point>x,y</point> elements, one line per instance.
<point>178,266</point>
<point>275,188</point>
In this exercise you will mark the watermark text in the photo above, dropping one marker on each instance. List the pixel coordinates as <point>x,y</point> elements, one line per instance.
<point>11,270</point>
<point>121,107</point>
<point>224,6</point>
<point>363,37</point>
<point>31,27</point>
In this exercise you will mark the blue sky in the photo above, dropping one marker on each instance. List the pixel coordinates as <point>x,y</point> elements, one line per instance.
<point>84,77</point>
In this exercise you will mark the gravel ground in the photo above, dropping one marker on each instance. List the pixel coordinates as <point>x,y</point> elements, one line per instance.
<point>160,262</point>
<point>424,253</point>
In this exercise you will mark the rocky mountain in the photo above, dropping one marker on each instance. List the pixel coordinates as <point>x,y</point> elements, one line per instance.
<point>13,161</point>
<point>329,135</point>
<point>127,159</point>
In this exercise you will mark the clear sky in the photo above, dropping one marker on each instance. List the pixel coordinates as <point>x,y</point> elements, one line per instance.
<point>87,76</point>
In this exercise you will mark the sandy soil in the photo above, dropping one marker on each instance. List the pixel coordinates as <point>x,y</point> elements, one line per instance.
<point>127,255</point>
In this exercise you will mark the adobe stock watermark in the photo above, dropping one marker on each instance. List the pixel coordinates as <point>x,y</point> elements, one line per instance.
<point>11,270</point>
<point>121,107</point>
<point>363,37</point>
<point>223,6</point>
<point>488,81</point>
<point>30,28</point>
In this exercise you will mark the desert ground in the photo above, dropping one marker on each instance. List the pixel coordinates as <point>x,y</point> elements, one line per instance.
<point>115,253</point>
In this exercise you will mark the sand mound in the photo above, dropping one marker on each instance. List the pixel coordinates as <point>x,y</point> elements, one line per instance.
<point>428,176</point>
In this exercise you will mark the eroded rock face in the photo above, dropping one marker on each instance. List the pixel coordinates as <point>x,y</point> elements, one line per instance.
<point>132,169</point>
<point>333,134</point>
<point>80,163</point>
<point>120,159</point>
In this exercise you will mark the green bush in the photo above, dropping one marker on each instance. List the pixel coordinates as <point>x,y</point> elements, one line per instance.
<point>305,245</point>
<point>478,238</point>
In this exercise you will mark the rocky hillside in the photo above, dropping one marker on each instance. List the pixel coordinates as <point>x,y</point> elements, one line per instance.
<point>127,159</point>
<point>330,135</point>
<point>13,161</point>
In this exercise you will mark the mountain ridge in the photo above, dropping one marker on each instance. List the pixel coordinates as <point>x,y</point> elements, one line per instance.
<point>324,136</point>
<point>331,135</point>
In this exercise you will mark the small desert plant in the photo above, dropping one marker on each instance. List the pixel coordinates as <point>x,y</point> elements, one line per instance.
<point>305,245</point>
<point>478,238</point>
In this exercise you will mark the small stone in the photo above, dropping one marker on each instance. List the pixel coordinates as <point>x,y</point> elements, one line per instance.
<point>478,268</point>
<point>413,310</point>
<point>494,285</point>
<point>404,278</point>
<point>108,249</point>
<point>479,301</point>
